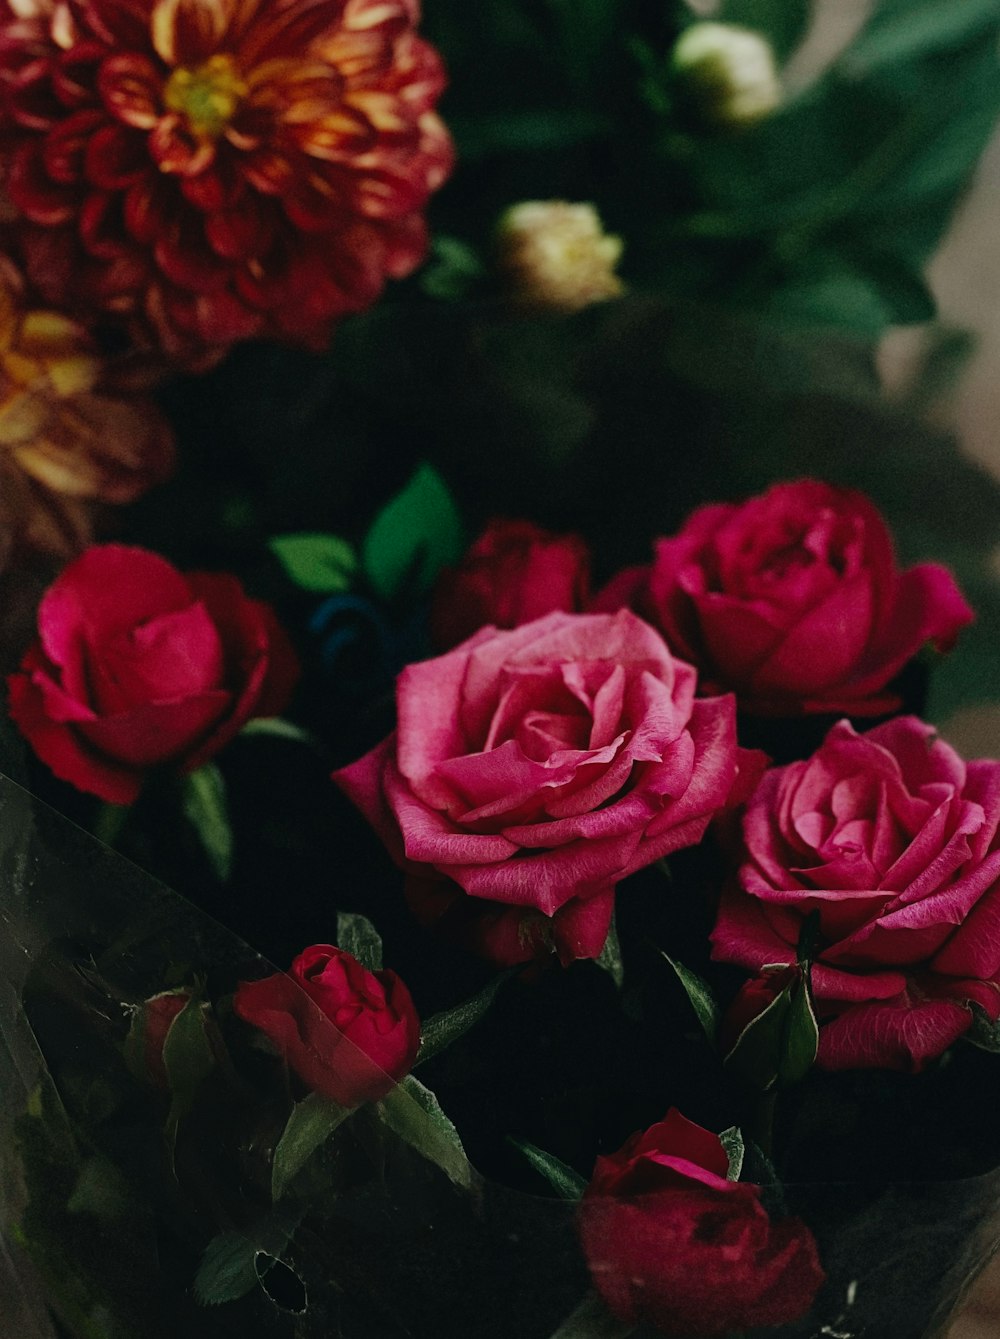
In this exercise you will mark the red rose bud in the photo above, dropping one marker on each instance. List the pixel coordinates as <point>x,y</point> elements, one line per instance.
<point>888,844</point>
<point>514,572</point>
<point>752,999</point>
<point>671,1242</point>
<point>538,766</point>
<point>250,171</point>
<point>794,600</point>
<point>137,665</point>
<point>348,1033</point>
<point>769,1033</point>
<point>147,1035</point>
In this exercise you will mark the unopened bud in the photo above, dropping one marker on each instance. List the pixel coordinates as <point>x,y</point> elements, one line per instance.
<point>728,74</point>
<point>557,255</point>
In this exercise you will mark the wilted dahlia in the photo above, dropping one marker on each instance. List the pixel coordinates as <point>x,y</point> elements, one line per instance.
<point>67,439</point>
<point>215,170</point>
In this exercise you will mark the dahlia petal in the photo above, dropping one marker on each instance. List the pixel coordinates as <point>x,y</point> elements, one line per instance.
<point>74,72</point>
<point>30,101</point>
<point>175,148</point>
<point>130,87</point>
<point>115,158</point>
<point>187,32</point>
<point>186,260</point>
<point>35,193</point>
<point>65,145</point>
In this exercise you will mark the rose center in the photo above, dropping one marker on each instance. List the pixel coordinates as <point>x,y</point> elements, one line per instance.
<point>207,96</point>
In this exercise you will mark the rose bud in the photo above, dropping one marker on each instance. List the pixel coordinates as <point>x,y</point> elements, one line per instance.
<point>671,1242</point>
<point>752,999</point>
<point>514,572</point>
<point>793,600</point>
<point>137,666</point>
<point>348,1033</point>
<point>147,1035</point>
<point>727,74</point>
<point>539,766</point>
<point>557,255</point>
<point>888,843</point>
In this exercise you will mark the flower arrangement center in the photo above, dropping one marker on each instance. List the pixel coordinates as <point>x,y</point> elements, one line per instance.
<point>207,96</point>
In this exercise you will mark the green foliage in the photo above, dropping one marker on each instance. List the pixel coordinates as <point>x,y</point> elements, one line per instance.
<point>356,935</point>
<point>440,1030</point>
<point>610,958</point>
<point>227,1270</point>
<point>732,1141</point>
<point>413,537</point>
<point>783,22</point>
<point>205,808</point>
<point>321,564</point>
<point>593,1320</point>
<point>188,1056</point>
<point>309,1126</point>
<point>779,1046</point>
<point>568,1183</point>
<point>701,997</point>
<point>413,1113</point>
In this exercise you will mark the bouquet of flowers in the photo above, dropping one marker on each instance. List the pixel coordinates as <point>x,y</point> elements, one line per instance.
<point>475,857</point>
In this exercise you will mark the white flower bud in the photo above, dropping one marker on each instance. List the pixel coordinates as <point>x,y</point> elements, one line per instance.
<point>728,73</point>
<point>557,255</point>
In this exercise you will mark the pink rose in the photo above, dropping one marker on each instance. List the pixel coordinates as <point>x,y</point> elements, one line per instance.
<point>138,665</point>
<point>892,839</point>
<point>513,573</point>
<point>535,768</point>
<point>671,1242</point>
<point>348,1033</point>
<point>794,600</point>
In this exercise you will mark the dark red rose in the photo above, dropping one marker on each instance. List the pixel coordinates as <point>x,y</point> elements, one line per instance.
<point>513,573</point>
<point>893,840</point>
<point>671,1242</point>
<point>794,601</point>
<point>137,665</point>
<point>348,1033</point>
<point>537,767</point>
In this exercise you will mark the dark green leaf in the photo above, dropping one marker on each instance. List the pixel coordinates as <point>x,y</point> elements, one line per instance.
<point>276,727</point>
<point>452,270</point>
<point>593,1320</point>
<point>414,1113</point>
<point>565,1180</point>
<point>984,1033</point>
<point>701,997</point>
<point>610,959</point>
<point>357,936</point>
<point>802,1037</point>
<point>732,1141</point>
<point>780,1044</point>
<point>188,1056</point>
<point>322,564</point>
<point>412,538</point>
<point>206,810</point>
<point>783,22</point>
<point>309,1126</point>
<point>227,1270</point>
<point>440,1030</point>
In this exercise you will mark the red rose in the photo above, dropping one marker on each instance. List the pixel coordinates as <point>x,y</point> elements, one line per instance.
<point>794,601</point>
<point>537,767</point>
<point>513,573</point>
<point>892,839</point>
<point>348,1033</point>
<point>671,1242</point>
<point>138,665</point>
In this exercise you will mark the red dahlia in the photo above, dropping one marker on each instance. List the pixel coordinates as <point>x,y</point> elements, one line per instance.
<point>216,170</point>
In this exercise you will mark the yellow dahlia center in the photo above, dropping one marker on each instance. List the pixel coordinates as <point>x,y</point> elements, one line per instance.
<point>207,96</point>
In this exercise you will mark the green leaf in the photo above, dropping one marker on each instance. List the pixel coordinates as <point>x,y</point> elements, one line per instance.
<point>227,1270</point>
<point>205,808</point>
<point>732,1141</point>
<point>593,1320</point>
<point>322,564</point>
<point>701,997</point>
<point>413,1113</point>
<point>984,1033</point>
<point>610,959</point>
<point>783,22</point>
<point>565,1180</point>
<point>453,269</point>
<point>356,935</point>
<point>440,1030</point>
<point>276,727</point>
<point>309,1126</point>
<point>188,1056</point>
<point>780,1044</point>
<point>412,538</point>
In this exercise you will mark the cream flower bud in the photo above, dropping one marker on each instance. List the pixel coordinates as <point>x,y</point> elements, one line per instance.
<point>728,73</point>
<point>557,255</point>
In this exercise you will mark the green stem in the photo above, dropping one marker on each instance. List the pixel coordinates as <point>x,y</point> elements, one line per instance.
<point>110,823</point>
